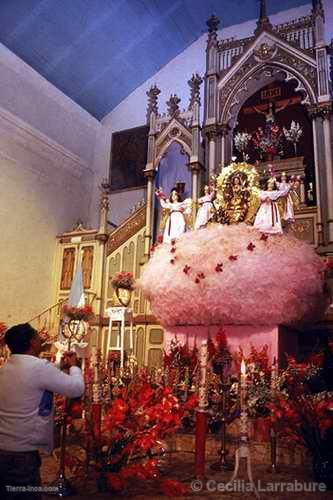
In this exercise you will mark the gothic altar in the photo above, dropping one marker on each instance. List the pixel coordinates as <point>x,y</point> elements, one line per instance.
<point>257,86</point>
<point>232,251</point>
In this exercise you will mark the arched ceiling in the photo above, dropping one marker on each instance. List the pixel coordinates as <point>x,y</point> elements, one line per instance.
<point>98,51</point>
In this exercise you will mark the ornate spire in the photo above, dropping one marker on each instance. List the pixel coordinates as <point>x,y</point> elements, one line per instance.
<point>213,26</point>
<point>317,8</point>
<point>263,21</point>
<point>152,94</point>
<point>172,104</point>
<point>194,85</point>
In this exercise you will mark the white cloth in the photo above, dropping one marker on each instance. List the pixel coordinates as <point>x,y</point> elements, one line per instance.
<point>288,213</point>
<point>268,218</point>
<point>205,212</point>
<point>175,225</point>
<point>23,382</point>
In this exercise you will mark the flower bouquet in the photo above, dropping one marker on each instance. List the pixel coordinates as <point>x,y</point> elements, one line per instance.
<point>293,134</point>
<point>241,141</point>
<point>268,141</point>
<point>131,445</point>
<point>3,329</point>
<point>84,313</point>
<point>123,280</point>
<point>302,410</point>
<point>123,283</point>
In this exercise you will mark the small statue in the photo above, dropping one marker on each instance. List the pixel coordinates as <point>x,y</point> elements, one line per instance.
<point>288,206</point>
<point>206,208</point>
<point>174,221</point>
<point>236,197</point>
<point>268,218</point>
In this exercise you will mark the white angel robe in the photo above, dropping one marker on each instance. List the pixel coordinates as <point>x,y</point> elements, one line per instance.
<point>268,218</point>
<point>175,224</point>
<point>205,211</point>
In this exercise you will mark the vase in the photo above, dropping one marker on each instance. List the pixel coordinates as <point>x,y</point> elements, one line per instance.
<point>323,471</point>
<point>124,295</point>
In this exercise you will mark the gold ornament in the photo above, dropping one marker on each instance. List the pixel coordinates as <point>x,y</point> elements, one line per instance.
<point>237,198</point>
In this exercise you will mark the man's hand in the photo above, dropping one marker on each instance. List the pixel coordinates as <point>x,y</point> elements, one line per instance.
<point>69,359</point>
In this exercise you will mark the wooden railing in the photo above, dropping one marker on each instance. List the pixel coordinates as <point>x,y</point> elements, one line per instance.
<point>49,318</point>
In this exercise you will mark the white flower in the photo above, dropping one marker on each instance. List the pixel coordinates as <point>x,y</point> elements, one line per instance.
<point>294,133</point>
<point>242,140</point>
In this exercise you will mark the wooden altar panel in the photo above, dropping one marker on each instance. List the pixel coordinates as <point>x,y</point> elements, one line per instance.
<point>67,271</point>
<point>87,265</point>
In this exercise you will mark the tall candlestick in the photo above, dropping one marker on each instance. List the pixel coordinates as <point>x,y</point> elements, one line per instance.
<point>203,375</point>
<point>243,405</point>
<point>273,441</point>
<point>201,416</point>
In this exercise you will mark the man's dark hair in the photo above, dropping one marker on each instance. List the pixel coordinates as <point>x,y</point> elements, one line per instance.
<point>18,338</point>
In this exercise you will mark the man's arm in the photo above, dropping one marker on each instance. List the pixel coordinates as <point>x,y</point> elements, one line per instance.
<point>54,380</point>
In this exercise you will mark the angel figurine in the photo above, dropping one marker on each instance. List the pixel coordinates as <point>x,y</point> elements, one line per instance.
<point>176,213</point>
<point>206,208</point>
<point>289,201</point>
<point>268,218</point>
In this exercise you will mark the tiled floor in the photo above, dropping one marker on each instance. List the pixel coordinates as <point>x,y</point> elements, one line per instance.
<point>180,466</point>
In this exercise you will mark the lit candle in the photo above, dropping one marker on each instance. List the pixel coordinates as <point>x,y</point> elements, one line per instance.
<point>243,415</point>
<point>243,384</point>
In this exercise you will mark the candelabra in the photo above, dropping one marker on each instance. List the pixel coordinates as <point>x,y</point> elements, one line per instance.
<point>273,437</point>
<point>225,385</point>
<point>243,451</point>
<point>201,415</point>
<point>75,332</point>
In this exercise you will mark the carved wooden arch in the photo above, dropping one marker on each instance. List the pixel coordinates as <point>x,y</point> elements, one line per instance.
<point>173,132</point>
<point>243,84</point>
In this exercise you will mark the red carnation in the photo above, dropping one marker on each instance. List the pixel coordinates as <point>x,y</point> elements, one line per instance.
<point>219,268</point>
<point>250,246</point>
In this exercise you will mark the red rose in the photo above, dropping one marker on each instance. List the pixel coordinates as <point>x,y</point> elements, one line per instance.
<point>219,268</point>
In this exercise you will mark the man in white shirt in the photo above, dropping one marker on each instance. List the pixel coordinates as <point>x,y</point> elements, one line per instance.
<point>27,384</point>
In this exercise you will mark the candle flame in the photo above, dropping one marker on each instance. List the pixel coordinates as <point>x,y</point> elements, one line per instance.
<point>243,367</point>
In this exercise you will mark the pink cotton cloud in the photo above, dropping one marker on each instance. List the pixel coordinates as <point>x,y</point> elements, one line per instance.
<point>232,275</point>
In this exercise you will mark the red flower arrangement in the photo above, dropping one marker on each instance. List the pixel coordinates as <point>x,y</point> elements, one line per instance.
<point>123,279</point>
<point>259,372</point>
<point>300,414</point>
<point>84,313</point>
<point>3,329</point>
<point>268,140</point>
<point>130,445</point>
